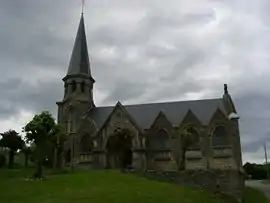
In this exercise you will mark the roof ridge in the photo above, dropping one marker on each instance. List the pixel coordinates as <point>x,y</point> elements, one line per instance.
<point>168,102</point>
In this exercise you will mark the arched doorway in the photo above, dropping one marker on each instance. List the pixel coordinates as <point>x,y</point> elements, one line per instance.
<point>119,153</point>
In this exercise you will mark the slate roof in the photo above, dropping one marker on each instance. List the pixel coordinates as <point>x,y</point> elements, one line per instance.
<point>145,114</point>
<point>79,62</point>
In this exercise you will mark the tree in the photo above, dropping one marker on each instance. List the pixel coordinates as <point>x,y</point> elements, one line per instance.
<point>40,131</point>
<point>58,142</point>
<point>2,156</point>
<point>27,151</point>
<point>2,160</point>
<point>13,141</point>
<point>256,171</point>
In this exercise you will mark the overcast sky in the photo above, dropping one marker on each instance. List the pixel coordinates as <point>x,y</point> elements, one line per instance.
<point>140,51</point>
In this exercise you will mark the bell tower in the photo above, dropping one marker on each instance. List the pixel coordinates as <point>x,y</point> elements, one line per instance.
<point>78,82</point>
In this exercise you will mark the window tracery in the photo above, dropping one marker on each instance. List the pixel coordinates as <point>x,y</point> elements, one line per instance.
<point>219,136</point>
<point>160,140</point>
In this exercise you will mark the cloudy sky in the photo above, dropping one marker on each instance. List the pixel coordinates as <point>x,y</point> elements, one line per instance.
<point>141,51</point>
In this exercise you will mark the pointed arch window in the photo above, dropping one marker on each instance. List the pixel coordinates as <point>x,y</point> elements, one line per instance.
<point>220,137</point>
<point>160,140</point>
<point>192,138</point>
<point>83,86</point>
<point>86,143</point>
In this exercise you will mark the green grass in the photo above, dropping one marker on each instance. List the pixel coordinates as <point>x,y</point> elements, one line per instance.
<point>95,186</point>
<point>101,187</point>
<point>253,195</point>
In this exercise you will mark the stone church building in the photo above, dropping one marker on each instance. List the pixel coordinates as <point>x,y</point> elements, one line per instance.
<point>168,136</point>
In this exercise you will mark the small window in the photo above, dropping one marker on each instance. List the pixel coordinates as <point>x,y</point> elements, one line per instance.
<point>73,86</point>
<point>83,86</point>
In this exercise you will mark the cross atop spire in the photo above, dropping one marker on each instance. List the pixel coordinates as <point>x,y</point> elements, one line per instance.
<point>225,89</point>
<point>79,62</point>
<point>82,6</point>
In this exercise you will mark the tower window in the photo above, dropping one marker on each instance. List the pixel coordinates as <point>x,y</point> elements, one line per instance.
<point>83,86</point>
<point>73,86</point>
<point>66,89</point>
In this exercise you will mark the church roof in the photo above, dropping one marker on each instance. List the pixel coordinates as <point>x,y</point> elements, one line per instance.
<point>79,62</point>
<point>145,114</point>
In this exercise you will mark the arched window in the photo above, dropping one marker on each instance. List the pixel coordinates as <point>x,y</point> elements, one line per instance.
<point>160,140</point>
<point>73,86</point>
<point>220,137</point>
<point>86,143</point>
<point>193,137</point>
<point>83,86</point>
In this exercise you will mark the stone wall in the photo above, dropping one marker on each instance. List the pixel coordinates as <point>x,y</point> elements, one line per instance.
<point>227,182</point>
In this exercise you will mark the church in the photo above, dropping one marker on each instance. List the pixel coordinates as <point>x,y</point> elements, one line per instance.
<point>168,136</point>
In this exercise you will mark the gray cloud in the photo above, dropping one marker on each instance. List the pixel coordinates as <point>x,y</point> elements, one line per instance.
<point>140,52</point>
<point>17,94</point>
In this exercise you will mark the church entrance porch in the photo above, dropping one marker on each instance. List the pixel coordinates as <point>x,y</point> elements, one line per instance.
<point>119,152</point>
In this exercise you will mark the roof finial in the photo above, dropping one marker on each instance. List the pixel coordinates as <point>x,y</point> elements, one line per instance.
<point>225,89</point>
<point>82,6</point>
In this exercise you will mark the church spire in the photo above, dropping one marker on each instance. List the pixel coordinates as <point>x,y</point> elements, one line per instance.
<point>79,63</point>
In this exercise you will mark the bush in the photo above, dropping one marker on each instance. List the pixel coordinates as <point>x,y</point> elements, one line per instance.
<point>256,171</point>
<point>2,160</point>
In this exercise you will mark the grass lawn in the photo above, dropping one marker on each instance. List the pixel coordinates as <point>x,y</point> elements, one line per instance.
<point>100,187</point>
<point>252,195</point>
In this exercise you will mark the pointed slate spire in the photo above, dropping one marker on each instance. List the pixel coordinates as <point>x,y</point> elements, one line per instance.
<point>79,62</point>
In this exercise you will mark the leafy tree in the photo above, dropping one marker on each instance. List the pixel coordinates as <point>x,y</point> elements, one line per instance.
<point>40,131</point>
<point>13,141</point>
<point>256,171</point>
<point>55,148</point>
<point>58,143</point>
